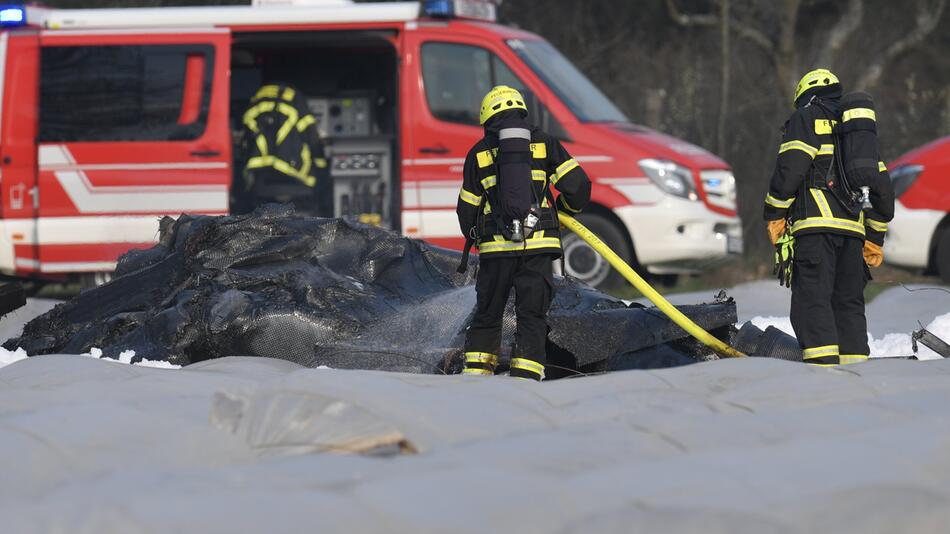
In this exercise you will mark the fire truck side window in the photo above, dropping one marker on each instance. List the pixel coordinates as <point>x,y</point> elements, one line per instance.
<point>457,76</point>
<point>124,93</point>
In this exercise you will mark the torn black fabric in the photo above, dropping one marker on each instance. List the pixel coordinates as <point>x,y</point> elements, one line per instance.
<point>330,292</point>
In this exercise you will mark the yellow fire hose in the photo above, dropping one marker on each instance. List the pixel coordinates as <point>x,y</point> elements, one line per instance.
<point>638,282</point>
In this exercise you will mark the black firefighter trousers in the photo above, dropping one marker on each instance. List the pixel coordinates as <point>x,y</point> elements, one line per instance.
<point>531,277</point>
<point>827,309</point>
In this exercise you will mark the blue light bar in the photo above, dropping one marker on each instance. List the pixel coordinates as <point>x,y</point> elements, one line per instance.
<point>12,16</point>
<point>466,9</point>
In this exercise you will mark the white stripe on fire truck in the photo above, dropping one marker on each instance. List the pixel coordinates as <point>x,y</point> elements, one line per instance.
<point>75,266</point>
<point>89,198</point>
<point>58,157</point>
<point>65,33</point>
<point>430,194</point>
<point>433,161</point>
<point>27,263</point>
<point>433,223</point>
<point>150,199</point>
<point>593,158</point>
<point>88,230</point>
<point>136,166</point>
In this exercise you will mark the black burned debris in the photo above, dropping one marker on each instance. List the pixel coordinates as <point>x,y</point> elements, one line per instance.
<point>330,292</point>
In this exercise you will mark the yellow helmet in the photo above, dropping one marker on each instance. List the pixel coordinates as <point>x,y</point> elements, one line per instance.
<point>815,78</point>
<point>500,98</point>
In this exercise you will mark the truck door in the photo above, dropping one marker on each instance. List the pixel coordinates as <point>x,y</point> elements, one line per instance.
<point>132,126</point>
<point>455,75</point>
<point>19,67</point>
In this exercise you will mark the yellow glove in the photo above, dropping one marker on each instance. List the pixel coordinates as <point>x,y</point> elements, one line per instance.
<point>873,254</point>
<point>776,230</point>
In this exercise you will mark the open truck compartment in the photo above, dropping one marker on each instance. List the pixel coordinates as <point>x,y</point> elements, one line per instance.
<point>350,80</point>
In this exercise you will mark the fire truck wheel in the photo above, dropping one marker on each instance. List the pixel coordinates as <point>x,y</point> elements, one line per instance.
<point>942,256</point>
<point>585,264</point>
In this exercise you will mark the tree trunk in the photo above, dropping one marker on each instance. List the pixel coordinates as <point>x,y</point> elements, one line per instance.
<point>726,79</point>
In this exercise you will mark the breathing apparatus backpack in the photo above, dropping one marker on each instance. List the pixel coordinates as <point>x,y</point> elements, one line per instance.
<point>854,168</point>
<point>517,209</point>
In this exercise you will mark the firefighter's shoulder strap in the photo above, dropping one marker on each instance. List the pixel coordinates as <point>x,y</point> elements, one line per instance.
<point>466,251</point>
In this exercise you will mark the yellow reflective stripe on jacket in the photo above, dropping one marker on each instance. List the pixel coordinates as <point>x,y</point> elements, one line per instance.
<point>528,365</point>
<point>288,94</point>
<point>268,91</point>
<point>538,176</point>
<point>568,206</point>
<point>778,203</point>
<point>852,358</point>
<point>826,150</point>
<point>260,162</point>
<point>822,201</point>
<point>533,243</point>
<point>818,352</point>
<point>877,226</point>
<point>563,169</point>
<point>250,116</point>
<point>292,115</point>
<point>798,145</point>
<point>539,150</point>
<point>261,143</point>
<point>859,113</point>
<point>306,159</point>
<point>305,122</point>
<point>470,198</point>
<point>484,158</point>
<point>833,223</point>
<point>881,167</point>
<point>489,181</point>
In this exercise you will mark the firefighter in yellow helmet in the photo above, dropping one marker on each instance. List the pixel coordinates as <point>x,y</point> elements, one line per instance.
<point>282,153</point>
<point>825,235</point>
<point>507,208</point>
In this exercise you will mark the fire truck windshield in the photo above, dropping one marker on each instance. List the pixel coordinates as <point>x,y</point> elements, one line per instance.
<point>574,89</point>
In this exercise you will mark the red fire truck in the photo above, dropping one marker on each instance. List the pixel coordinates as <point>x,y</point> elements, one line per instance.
<point>919,235</point>
<point>112,118</point>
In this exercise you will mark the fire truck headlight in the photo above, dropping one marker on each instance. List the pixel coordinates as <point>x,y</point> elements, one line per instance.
<point>670,177</point>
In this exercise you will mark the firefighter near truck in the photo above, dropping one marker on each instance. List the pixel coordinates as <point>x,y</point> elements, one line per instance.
<point>114,118</point>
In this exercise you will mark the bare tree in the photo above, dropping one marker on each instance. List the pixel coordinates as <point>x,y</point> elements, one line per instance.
<point>929,13</point>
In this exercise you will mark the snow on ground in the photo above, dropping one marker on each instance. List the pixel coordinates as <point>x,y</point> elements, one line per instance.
<point>893,344</point>
<point>892,315</point>
<point>895,310</point>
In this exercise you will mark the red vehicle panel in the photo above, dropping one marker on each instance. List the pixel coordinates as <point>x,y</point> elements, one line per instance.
<point>88,173</point>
